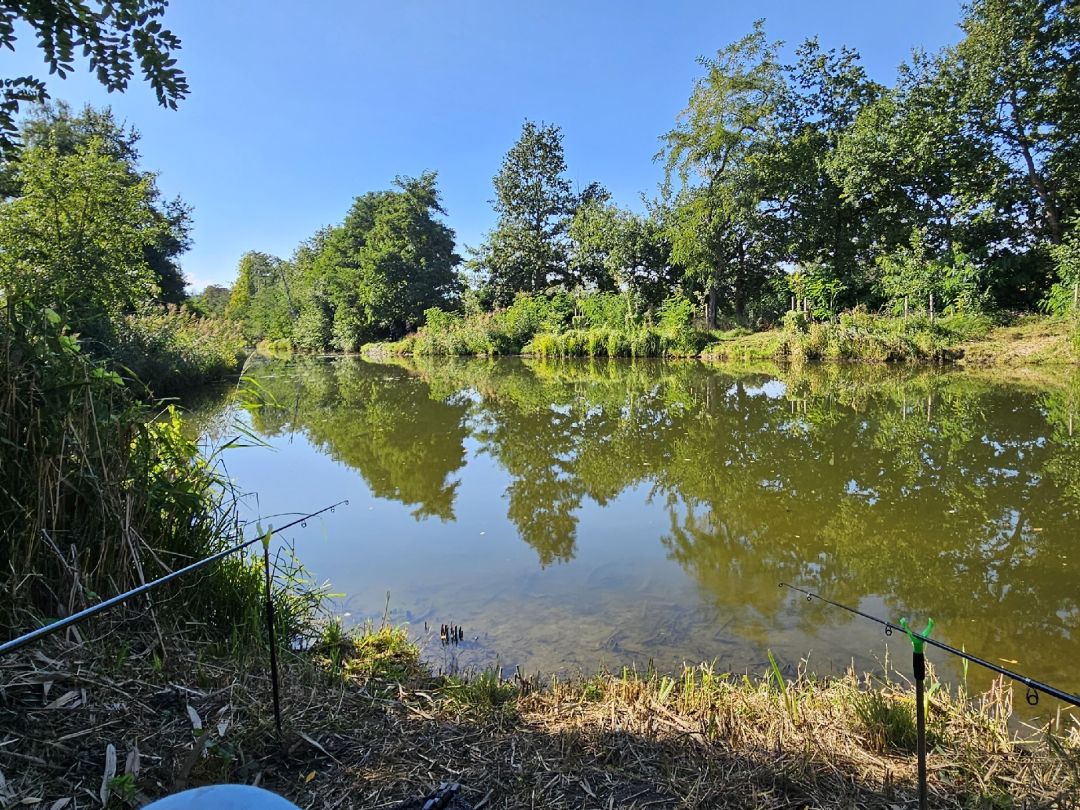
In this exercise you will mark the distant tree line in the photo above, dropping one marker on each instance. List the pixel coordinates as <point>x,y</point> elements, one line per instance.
<point>804,186</point>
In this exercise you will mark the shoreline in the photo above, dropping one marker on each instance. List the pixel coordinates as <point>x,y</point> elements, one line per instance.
<point>1029,341</point>
<point>367,724</point>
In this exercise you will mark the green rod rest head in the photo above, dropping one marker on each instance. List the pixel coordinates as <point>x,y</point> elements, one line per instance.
<point>917,644</point>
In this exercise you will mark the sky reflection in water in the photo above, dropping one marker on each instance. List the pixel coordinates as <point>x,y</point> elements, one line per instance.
<point>573,515</point>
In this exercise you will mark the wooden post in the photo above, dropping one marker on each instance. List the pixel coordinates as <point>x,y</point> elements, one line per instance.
<point>1076,295</point>
<point>931,309</point>
<point>906,307</point>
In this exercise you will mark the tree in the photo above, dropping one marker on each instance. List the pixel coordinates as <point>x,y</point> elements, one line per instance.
<point>612,248</point>
<point>527,251</point>
<point>1021,90</point>
<point>112,34</point>
<point>57,127</point>
<point>260,300</point>
<point>713,152</point>
<point>76,239</point>
<point>389,261</point>
<point>814,224</point>
<point>212,301</point>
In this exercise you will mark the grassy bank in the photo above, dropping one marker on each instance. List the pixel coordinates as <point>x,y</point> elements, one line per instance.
<point>101,491</point>
<point>170,350</point>
<point>369,725</point>
<point>536,327</point>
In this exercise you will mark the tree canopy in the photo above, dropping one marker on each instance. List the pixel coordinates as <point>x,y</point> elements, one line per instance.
<point>113,35</point>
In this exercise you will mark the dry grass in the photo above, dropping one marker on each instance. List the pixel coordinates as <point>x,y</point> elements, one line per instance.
<point>364,736</point>
<point>1030,341</point>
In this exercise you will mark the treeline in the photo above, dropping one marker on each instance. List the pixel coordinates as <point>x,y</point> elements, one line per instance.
<point>804,186</point>
<point>86,234</point>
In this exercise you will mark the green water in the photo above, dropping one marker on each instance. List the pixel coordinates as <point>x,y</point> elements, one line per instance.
<point>576,515</point>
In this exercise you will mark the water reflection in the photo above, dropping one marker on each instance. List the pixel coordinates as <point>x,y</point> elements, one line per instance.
<point>922,492</point>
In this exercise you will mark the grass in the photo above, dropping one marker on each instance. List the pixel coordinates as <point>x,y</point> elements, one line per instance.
<point>1031,340</point>
<point>100,492</point>
<point>373,726</point>
<point>852,336</point>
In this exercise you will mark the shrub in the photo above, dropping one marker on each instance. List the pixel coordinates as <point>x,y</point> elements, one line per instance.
<point>172,348</point>
<point>99,491</point>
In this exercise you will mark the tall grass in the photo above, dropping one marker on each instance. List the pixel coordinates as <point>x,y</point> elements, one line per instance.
<point>100,492</point>
<point>172,348</point>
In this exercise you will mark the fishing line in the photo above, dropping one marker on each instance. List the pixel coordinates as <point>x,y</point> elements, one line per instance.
<point>1034,686</point>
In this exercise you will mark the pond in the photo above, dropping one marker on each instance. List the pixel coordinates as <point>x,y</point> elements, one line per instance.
<point>577,515</point>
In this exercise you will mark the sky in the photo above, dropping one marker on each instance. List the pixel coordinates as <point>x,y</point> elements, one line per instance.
<point>297,108</point>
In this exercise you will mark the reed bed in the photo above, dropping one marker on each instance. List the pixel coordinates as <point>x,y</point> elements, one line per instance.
<point>100,491</point>
<point>368,725</point>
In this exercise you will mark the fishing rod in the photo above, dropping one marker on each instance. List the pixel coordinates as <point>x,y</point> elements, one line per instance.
<point>75,618</point>
<point>1034,686</point>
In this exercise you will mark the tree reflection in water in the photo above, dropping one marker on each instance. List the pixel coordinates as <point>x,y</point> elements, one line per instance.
<point>940,492</point>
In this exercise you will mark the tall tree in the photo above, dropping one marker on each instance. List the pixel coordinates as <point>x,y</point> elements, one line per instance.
<point>58,127</point>
<point>113,35</point>
<point>1021,88</point>
<point>714,153</point>
<point>76,238</point>
<point>260,300</point>
<point>527,251</point>
<point>816,225</point>
<point>391,260</point>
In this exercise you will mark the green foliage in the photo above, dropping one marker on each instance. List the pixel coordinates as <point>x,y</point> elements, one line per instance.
<point>113,35</point>
<point>909,276</point>
<point>372,277</point>
<point>58,127</point>
<point>76,239</point>
<point>259,300</point>
<point>527,251</point>
<point>171,349</point>
<point>119,486</point>
<point>211,302</point>
<point>1064,295</point>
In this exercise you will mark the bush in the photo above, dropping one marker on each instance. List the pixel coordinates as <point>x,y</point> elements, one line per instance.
<point>100,492</point>
<point>172,348</point>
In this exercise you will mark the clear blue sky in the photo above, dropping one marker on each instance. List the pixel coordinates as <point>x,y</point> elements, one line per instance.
<point>296,108</point>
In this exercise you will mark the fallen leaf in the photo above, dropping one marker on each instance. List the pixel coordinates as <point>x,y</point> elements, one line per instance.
<point>196,721</point>
<point>60,804</point>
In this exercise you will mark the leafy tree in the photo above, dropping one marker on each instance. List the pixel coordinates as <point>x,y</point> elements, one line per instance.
<point>616,249</point>
<point>259,300</point>
<point>815,224</point>
<point>391,260</point>
<point>714,222</point>
<point>56,126</point>
<point>528,251</point>
<point>1020,89</point>
<point>212,301</point>
<point>77,238</point>
<point>1064,295</point>
<point>112,34</point>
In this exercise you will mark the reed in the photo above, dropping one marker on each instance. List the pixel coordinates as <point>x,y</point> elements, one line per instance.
<point>100,492</point>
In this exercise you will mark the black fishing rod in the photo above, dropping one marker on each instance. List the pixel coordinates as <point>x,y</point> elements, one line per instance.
<point>1034,687</point>
<point>75,618</point>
